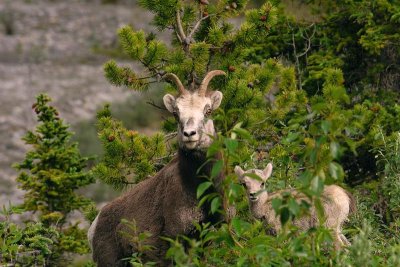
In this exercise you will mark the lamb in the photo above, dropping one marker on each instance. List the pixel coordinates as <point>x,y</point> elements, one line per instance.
<point>165,205</point>
<point>337,204</point>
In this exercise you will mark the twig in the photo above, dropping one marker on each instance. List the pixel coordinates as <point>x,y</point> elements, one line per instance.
<point>304,53</point>
<point>170,136</point>
<point>147,77</point>
<point>196,26</point>
<point>151,103</point>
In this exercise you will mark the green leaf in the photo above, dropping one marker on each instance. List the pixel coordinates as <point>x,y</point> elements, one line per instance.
<point>326,126</point>
<point>17,235</point>
<point>216,169</point>
<point>293,206</point>
<point>292,137</point>
<point>285,215</point>
<point>240,226</point>
<point>237,126</point>
<point>334,146</point>
<point>336,171</point>
<point>231,145</point>
<point>202,188</point>
<point>276,204</point>
<point>242,133</point>
<point>317,185</point>
<point>213,149</point>
<point>254,176</point>
<point>320,209</point>
<point>215,204</point>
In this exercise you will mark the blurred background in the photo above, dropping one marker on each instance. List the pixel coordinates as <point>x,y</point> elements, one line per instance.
<point>59,47</point>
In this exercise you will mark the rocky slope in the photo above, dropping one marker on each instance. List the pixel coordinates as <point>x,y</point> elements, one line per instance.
<point>47,46</point>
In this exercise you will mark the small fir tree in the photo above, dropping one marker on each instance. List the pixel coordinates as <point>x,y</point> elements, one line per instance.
<point>50,174</point>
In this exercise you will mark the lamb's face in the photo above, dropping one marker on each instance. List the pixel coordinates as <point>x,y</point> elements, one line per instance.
<point>254,187</point>
<point>192,113</point>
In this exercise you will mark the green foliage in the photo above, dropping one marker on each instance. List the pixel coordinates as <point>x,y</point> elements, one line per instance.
<point>25,246</point>
<point>359,37</point>
<point>129,156</point>
<point>388,154</point>
<point>138,241</point>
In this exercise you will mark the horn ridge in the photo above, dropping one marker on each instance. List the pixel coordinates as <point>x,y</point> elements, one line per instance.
<point>204,84</point>
<point>177,81</point>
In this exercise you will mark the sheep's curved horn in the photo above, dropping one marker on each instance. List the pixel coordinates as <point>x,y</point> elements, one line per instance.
<point>204,84</point>
<point>175,79</point>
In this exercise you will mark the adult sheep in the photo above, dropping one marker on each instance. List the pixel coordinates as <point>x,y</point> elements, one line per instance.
<point>165,204</point>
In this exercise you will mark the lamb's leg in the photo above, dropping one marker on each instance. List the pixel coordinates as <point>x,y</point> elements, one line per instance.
<point>339,242</point>
<point>344,240</point>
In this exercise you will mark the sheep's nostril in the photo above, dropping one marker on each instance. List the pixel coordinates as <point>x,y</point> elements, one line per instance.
<point>189,133</point>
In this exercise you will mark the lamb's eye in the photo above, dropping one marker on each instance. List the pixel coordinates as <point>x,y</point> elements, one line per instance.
<point>243,184</point>
<point>208,112</point>
<point>175,114</point>
<point>262,185</point>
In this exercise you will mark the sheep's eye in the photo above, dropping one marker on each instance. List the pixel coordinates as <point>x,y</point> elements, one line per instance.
<point>262,185</point>
<point>175,114</point>
<point>208,112</point>
<point>243,184</point>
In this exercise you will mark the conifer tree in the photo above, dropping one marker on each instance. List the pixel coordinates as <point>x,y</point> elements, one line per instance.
<point>50,174</point>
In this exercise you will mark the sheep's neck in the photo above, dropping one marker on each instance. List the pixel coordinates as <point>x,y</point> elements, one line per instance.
<point>192,168</point>
<point>260,208</point>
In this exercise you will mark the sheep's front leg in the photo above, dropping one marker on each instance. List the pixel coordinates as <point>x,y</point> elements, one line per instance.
<point>107,254</point>
<point>157,251</point>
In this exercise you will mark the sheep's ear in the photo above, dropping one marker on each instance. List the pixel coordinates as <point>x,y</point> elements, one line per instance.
<point>216,99</point>
<point>239,172</point>
<point>267,171</point>
<point>169,102</point>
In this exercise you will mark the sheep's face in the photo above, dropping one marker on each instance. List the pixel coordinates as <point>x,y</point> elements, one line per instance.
<point>255,182</point>
<point>192,112</point>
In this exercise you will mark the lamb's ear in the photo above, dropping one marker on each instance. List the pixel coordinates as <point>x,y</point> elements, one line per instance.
<point>216,98</point>
<point>239,172</point>
<point>267,171</point>
<point>169,102</point>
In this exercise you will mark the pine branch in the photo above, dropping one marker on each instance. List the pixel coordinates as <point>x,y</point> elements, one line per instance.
<point>196,27</point>
<point>180,31</point>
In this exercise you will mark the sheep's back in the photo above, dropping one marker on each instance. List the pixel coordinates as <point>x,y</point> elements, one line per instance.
<point>335,201</point>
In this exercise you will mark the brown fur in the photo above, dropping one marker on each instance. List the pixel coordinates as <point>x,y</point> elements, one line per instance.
<point>353,203</point>
<point>164,205</point>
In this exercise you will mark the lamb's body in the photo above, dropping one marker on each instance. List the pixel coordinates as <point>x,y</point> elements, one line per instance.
<point>164,205</point>
<point>336,202</point>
